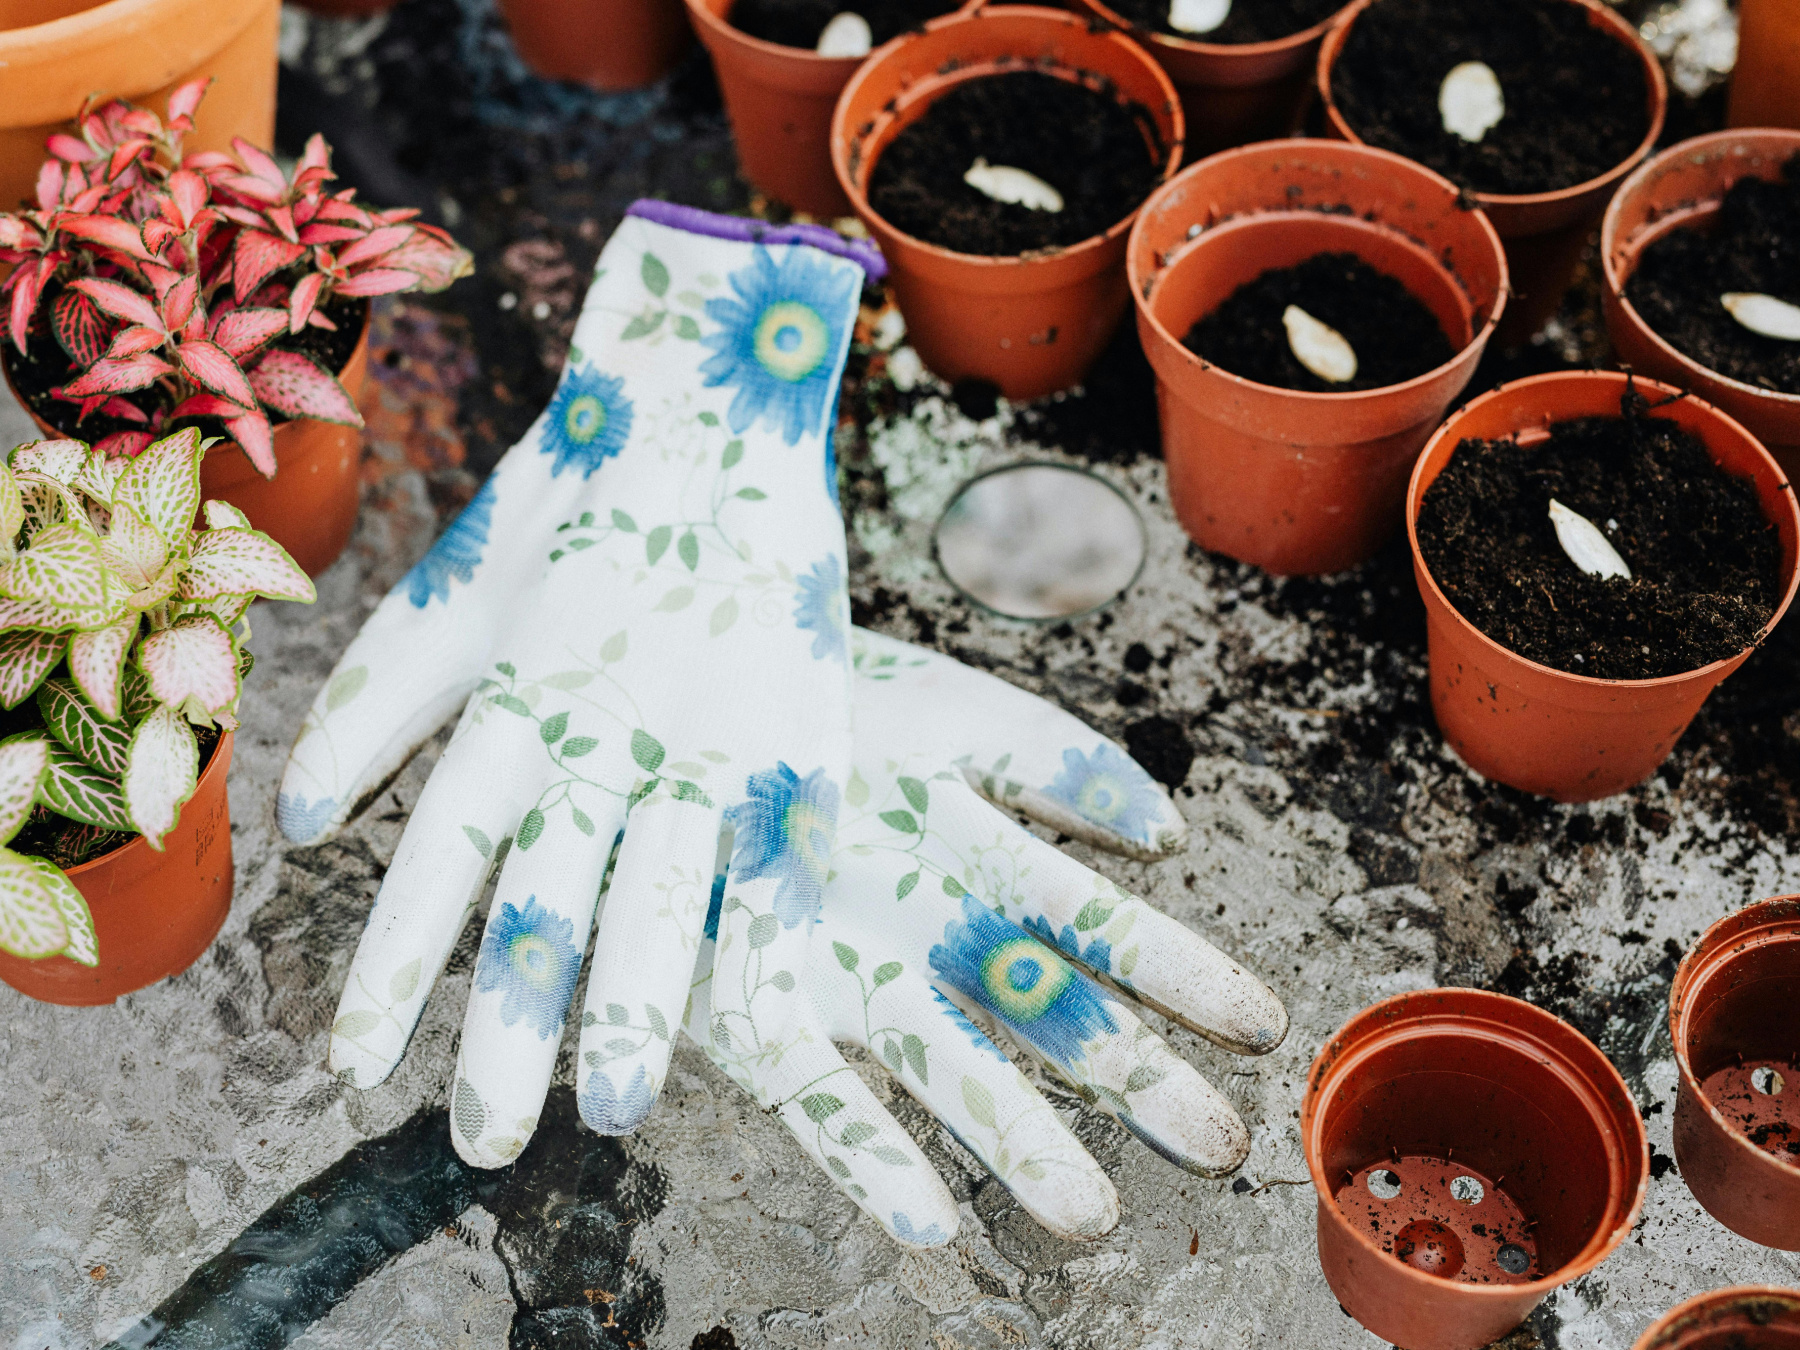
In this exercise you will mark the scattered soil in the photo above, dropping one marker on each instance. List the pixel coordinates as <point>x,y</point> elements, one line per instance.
<point>1705,563</point>
<point>1576,104</point>
<point>798,23</point>
<point>1395,336</point>
<point>1753,244</point>
<point>1249,20</point>
<point>1086,143</point>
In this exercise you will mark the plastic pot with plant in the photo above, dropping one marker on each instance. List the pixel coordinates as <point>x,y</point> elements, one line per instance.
<point>121,663</point>
<point>155,290</point>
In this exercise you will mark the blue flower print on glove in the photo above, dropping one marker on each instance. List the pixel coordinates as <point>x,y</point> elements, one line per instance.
<point>1108,788</point>
<point>529,954</point>
<point>456,554</point>
<point>785,827</point>
<point>928,1236</point>
<point>301,819</point>
<point>1098,955</point>
<point>588,421</point>
<point>977,1037</point>
<point>819,607</point>
<point>613,1112</point>
<point>780,340</point>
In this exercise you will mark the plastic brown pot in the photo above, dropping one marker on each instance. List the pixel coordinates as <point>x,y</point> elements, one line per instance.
<point>1572,737</point>
<point>604,44</point>
<point>154,913</point>
<point>1545,232</point>
<point>1765,84</point>
<point>1679,189</point>
<point>1510,1153</point>
<point>1734,1019</point>
<point>1031,324</point>
<point>1232,93</point>
<point>1301,482</point>
<point>1752,1317</point>
<point>54,53</point>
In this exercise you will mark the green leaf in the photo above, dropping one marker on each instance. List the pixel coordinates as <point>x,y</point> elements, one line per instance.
<point>643,325</point>
<point>659,1028</point>
<point>646,750</point>
<point>723,616</point>
<point>1128,961</point>
<point>846,956</point>
<point>751,494</point>
<point>820,1106</point>
<point>1144,1076</point>
<point>577,746</point>
<point>856,1192</point>
<point>568,679</point>
<point>344,686</point>
<point>678,598</point>
<point>74,788</point>
<point>904,886</point>
<point>588,1019</point>
<point>530,828</point>
<point>655,275</point>
<point>762,930</point>
<point>353,1024</point>
<point>580,545</point>
<point>582,822</point>
<point>890,1155</point>
<point>890,1054</point>
<point>483,845</point>
<point>505,668</point>
<point>613,649</point>
<point>1032,1170</point>
<point>839,1168</point>
<point>856,1132</point>
<point>656,543</point>
<point>404,981</point>
<point>470,1114</point>
<point>783,980</point>
<point>691,792</point>
<point>620,1047</point>
<point>914,792</point>
<point>686,328</point>
<point>903,821</point>
<point>617,1014</point>
<point>954,888</point>
<point>585,519</point>
<point>75,722</point>
<point>551,728</point>
<point>734,451</point>
<point>887,970</point>
<point>512,703</point>
<point>687,548</point>
<point>857,791</point>
<point>709,419</point>
<point>978,1101</point>
<point>914,1050</point>
<point>623,521</point>
<point>1094,913</point>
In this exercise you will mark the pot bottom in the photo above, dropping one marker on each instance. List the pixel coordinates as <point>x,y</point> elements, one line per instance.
<point>1442,1218</point>
<point>1761,1099</point>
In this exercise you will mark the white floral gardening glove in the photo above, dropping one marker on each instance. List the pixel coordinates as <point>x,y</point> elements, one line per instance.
<point>937,903</point>
<point>644,611</point>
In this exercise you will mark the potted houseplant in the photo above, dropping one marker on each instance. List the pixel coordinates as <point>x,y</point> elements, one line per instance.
<point>1268,462</point>
<point>1023,291</point>
<point>604,44</point>
<point>1750,1317</point>
<point>1702,223</point>
<point>1674,555</point>
<point>122,655</point>
<point>156,289</point>
<point>1539,108</point>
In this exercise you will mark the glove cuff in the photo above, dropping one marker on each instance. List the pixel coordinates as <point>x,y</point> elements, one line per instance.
<point>744,229</point>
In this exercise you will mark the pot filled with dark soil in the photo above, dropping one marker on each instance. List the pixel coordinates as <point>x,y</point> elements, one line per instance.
<point>999,158</point>
<point>1470,1153</point>
<point>1595,555</point>
<point>1765,83</point>
<point>1689,238</point>
<point>1231,265</point>
<point>1242,66</point>
<point>1734,1020</point>
<point>1537,107</point>
<point>604,44</point>
<point>1750,1317</point>
<point>781,66</point>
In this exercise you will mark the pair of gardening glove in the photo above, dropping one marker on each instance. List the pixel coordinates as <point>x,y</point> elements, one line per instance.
<point>642,616</point>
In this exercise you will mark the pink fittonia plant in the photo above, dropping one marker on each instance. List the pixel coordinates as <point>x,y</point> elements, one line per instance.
<point>179,287</point>
<point>125,626</point>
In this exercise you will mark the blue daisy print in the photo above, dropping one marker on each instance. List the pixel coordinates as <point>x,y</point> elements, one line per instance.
<point>1110,789</point>
<point>784,828</point>
<point>1097,956</point>
<point>303,821</point>
<point>456,554</point>
<point>529,955</point>
<point>819,606</point>
<point>609,1111</point>
<point>1036,993</point>
<point>928,1236</point>
<point>588,421</point>
<point>977,1037</point>
<point>714,906</point>
<point>781,340</point>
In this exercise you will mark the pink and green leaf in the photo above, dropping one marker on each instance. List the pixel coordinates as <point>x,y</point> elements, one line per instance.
<point>163,484</point>
<point>243,332</point>
<point>191,665</point>
<point>22,764</point>
<point>298,387</point>
<point>61,567</point>
<point>97,662</point>
<point>237,561</point>
<point>379,281</point>
<point>164,768</point>
<point>108,376</point>
<point>26,657</point>
<point>210,366</point>
<point>73,788</point>
<point>252,433</point>
<point>108,232</point>
<point>258,255</point>
<point>80,327</point>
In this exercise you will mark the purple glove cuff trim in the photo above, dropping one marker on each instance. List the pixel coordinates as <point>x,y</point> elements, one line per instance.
<point>745,230</point>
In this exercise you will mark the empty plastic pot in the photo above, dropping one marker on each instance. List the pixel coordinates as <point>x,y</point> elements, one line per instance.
<point>1301,482</point>
<point>1546,731</point>
<point>1470,1153</point>
<point>1751,1317</point>
<point>1734,1019</point>
<point>604,44</point>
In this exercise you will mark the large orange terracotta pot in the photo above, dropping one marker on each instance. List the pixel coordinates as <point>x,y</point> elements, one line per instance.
<point>1031,324</point>
<point>154,913</point>
<point>1750,1317</point>
<point>1572,737</point>
<point>1765,85</point>
<point>604,44</point>
<point>1299,482</point>
<point>54,53</point>
<point>1682,188</point>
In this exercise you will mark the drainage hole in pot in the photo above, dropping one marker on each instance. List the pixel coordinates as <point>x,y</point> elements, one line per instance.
<point>1468,1190</point>
<point>1427,1245</point>
<point>1754,1100</point>
<point>1040,541</point>
<point>1441,1217</point>
<point>1766,1081</point>
<point>1513,1259</point>
<point>1383,1184</point>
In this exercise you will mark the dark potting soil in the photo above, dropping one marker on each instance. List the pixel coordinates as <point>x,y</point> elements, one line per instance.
<point>798,23</point>
<point>1705,562</point>
<point>1089,146</point>
<point>1394,335</point>
<point>1249,20</point>
<point>1576,104</point>
<point>1753,244</point>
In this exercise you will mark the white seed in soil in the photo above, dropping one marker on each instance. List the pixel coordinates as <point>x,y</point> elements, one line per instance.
<point>1013,186</point>
<point>846,35</point>
<point>1587,548</point>
<point>1198,16</point>
<point>1319,347</point>
<point>1470,101</point>
<point>1764,314</point>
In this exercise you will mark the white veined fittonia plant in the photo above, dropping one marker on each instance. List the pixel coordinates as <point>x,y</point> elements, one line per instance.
<point>122,631</point>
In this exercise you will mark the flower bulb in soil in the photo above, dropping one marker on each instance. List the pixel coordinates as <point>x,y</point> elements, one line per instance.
<point>846,35</point>
<point>1319,347</point>
<point>1004,183</point>
<point>1195,17</point>
<point>1470,100</point>
<point>1586,546</point>
<point>803,23</point>
<point>1764,315</point>
<point>1244,20</point>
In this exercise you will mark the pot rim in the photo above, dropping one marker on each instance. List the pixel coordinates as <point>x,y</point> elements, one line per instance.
<point>220,755</point>
<point>1269,47</point>
<point>1247,219</point>
<point>719,26</point>
<point>1777,918</point>
<point>1714,1299</point>
<point>844,139</point>
<point>1715,670</point>
<point>1616,272</point>
<point>1658,90</point>
<point>1601,1075</point>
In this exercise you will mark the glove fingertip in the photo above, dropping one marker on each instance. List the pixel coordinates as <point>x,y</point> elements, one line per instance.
<point>610,1108</point>
<point>306,822</point>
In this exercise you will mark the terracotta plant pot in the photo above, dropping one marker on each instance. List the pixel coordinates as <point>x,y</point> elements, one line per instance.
<point>1510,1152</point>
<point>1546,731</point>
<point>1679,189</point>
<point>1232,93</point>
<point>1300,482</point>
<point>1747,1318</point>
<point>1765,84</point>
<point>1545,232</point>
<point>1733,1021</point>
<point>56,52</point>
<point>1032,324</point>
<point>604,44</point>
<point>348,9</point>
<point>154,913</point>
